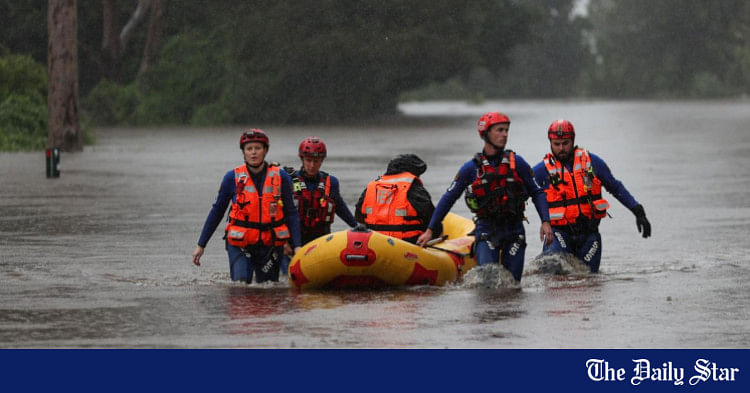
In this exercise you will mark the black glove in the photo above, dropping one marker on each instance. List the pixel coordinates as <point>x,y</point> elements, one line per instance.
<point>644,227</point>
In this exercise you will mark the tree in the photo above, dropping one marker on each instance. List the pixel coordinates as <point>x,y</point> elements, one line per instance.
<point>155,36</point>
<point>116,37</point>
<point>551,63</point>
<point>64,130</point>
<point>668,47</point>
<point>287,61</point>
<point>23,29</point>
<point>343,59</point>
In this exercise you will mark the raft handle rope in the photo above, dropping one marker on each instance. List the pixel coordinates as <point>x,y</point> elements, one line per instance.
<point>460,254</point>
<point>441,239</point>
<point>437,240</point>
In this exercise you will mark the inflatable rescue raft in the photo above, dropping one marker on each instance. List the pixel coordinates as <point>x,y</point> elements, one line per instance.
<point>366,259</point>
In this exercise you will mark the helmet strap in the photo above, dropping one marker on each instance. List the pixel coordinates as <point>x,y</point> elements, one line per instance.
<point>487,140</point>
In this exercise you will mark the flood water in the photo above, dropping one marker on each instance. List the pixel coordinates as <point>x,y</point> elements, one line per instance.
<point>101,256</point>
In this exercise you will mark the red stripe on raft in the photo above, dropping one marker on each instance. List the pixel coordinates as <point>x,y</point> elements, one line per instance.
<point>422,276</point>
<point>357,251</point>
<point>295,273</point>
<point>309,250</point>
<point>459,262</point>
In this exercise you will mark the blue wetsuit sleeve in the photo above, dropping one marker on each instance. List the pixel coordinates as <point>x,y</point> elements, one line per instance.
<point>463,179</point>
<point>216,214</point>
<point>541,175</point>
<point>610,183</point>
<point>291,215</point>
<point>342,210</point>
<point>535,192</point>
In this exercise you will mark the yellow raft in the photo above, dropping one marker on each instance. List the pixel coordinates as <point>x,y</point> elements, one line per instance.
<point>368,259</point>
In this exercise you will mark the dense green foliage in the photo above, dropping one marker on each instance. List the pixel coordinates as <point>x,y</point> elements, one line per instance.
<point>230,62</point>
<point>351,59</point>
<point>23,103</point>
<point>184,88</point>
<point>550,64</point>
<point>27,33</point>
<point>621,49</point>
<point>694,48</point>
<point>290,61</point>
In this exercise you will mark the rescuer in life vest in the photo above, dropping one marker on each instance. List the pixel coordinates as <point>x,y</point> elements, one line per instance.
<point>572,179</point>
<point>262,217</point>
<point>316,195</point>
<point>497,182</point>
<point>396,203</point>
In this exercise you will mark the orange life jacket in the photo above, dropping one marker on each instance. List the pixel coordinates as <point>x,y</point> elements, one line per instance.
<point>498,192</point>
<point>316,206</point>
<point>387,209</point>
<point>573,194</point>
<point>254,219</point>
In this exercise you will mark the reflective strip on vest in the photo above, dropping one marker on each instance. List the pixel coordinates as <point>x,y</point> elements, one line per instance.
<point>398,180</point>
<point>387,208</point>
<point>548,163</point>
<point>581,178</point>
<point>255,221</point>
<point>283,234</point>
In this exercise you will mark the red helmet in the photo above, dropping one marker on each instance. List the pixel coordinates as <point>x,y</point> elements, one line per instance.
<point>254,135</point>
<point>312,147</point>
<point>489,119</point>
<point>561,129</point>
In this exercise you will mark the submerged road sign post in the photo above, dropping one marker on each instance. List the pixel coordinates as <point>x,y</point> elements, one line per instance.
<point>53,163</point>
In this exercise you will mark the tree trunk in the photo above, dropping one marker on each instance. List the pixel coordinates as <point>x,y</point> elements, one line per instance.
<point>64,131</point>
<point>111,48</point>
<point>115,37</point>
<point>135,19</point>
<point>155,36</point>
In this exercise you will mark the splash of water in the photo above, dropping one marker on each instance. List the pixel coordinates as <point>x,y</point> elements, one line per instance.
<point>558,264</point>
<point>488,276</point>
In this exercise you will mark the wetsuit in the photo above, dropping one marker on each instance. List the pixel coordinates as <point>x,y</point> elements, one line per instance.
<point>492,238</point>
<point>261,261</point>
<point>342,210</point>
<point>582,238</point>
